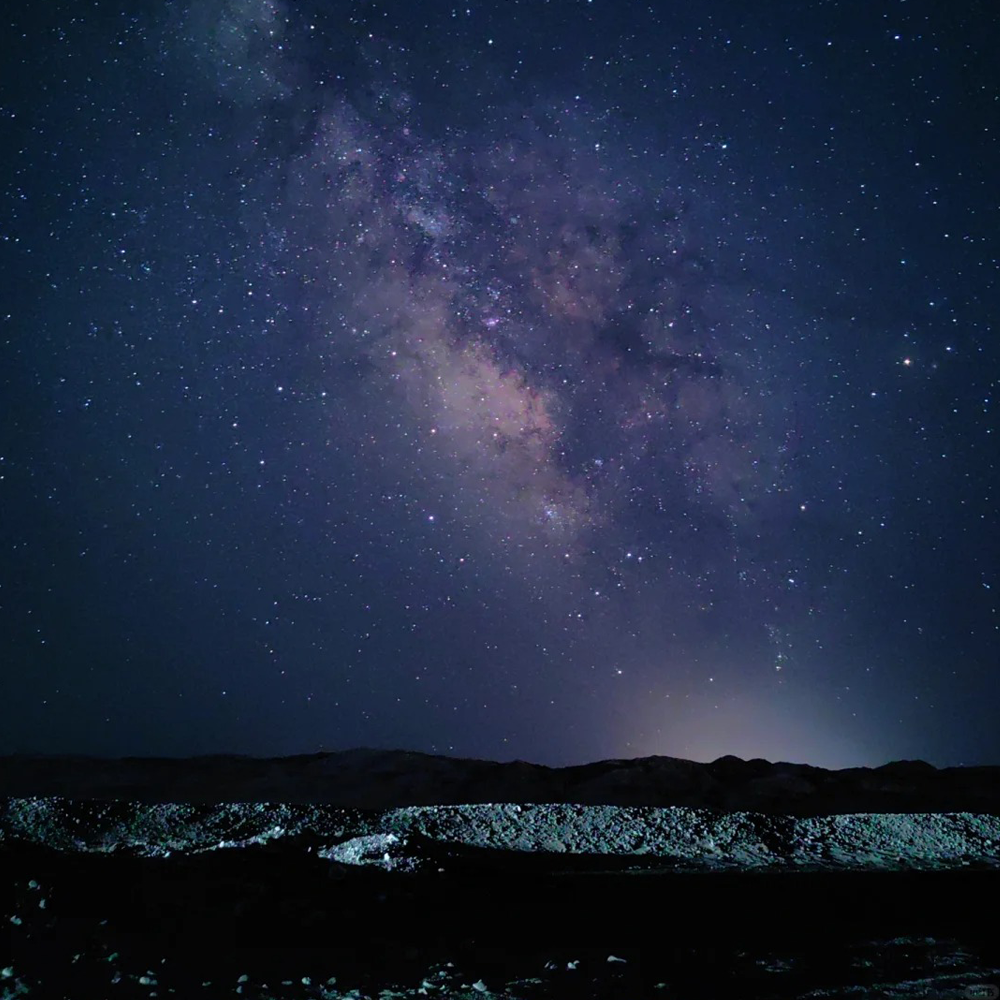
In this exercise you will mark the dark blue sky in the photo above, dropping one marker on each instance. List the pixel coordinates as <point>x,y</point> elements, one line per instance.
<point>554,381</point>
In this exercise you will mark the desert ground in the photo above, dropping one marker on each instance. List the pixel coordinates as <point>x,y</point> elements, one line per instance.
<point>375,873</point>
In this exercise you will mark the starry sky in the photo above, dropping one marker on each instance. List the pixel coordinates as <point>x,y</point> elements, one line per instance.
<point>552,381</point>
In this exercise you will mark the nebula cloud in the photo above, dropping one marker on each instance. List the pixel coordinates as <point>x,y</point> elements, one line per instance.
<point>543,315</point>
<point>531,327</point>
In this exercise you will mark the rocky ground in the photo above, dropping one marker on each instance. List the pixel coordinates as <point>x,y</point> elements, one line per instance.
<point>122,895</point>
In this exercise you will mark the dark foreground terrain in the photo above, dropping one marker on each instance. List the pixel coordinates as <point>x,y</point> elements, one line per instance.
<point>354,893</point>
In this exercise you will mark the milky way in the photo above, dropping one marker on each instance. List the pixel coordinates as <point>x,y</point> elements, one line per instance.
<point>415,393</point>
<point>545,327</point>
<point>540,345</point>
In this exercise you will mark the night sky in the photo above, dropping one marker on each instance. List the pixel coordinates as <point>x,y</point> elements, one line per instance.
<point>555,381</point>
